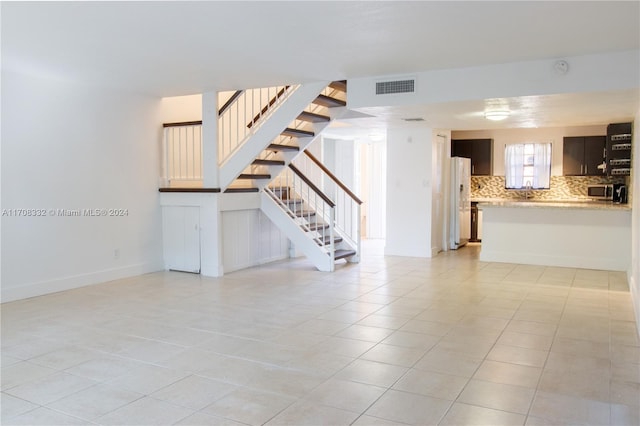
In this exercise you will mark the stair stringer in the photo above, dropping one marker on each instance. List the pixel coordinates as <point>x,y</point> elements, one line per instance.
<point>303,144</point>
<point>316,254</point>
<point>269,130</point>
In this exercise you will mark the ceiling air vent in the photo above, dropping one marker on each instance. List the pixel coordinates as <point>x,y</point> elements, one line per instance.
<point>414,119</point>
<point>398,86</point>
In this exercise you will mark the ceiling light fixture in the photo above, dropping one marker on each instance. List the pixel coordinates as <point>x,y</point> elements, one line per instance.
<point>497,115</point>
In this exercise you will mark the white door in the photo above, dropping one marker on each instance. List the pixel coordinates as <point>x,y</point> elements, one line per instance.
<point>371,179</point>
<point>181,238</point>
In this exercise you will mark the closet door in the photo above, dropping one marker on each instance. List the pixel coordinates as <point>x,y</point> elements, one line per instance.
<point>181,238</point>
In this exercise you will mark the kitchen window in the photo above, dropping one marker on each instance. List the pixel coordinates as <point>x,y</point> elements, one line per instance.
<point>527,166</point>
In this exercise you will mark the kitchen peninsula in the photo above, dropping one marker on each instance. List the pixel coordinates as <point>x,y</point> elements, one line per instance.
<point>578,234</point>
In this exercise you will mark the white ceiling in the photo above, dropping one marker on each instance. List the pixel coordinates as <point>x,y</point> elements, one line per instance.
<point>562,110</point>
<point>178,48</point>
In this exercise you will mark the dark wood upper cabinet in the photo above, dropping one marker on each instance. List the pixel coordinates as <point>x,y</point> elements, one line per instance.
<point>581,155</point>
<point>594,152</point>
<point>480,151</point>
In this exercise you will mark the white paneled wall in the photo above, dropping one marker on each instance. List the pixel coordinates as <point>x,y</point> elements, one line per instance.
<point>250,239</point>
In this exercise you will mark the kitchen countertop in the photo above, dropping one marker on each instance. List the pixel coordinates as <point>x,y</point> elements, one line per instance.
<point>558,204</point>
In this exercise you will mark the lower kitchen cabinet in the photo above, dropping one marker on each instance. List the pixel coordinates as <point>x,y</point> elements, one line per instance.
<point>476,223</point>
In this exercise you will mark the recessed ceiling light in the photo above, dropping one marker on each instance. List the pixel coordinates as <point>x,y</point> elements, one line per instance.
<point>497,115</point>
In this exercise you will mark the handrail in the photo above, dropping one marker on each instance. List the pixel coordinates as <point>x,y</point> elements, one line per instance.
<point>333,177</point>
<point>266,107</point>
<point>311,185</point>
<point>227,104</point>
<point>245,106</point>
<point>183,124</point>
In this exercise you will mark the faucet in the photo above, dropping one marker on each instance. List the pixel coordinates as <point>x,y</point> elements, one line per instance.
<point>527,190</point>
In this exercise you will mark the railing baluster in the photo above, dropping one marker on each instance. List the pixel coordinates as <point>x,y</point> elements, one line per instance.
<point>244,114</point>
<point>165,153</point>
<point>192,151</point>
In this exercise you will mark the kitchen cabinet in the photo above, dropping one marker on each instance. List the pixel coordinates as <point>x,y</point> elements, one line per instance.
<point>480,151</point>
<point>476,223</point>
<point>581,155</point>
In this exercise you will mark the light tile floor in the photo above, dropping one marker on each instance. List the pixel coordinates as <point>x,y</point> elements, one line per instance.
<point>392,340</point>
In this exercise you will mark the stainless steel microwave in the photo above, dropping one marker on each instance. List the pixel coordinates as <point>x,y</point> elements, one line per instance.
<point>600,192</point>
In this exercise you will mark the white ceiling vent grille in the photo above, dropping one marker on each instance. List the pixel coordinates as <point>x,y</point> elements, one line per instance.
<point>398,86</point>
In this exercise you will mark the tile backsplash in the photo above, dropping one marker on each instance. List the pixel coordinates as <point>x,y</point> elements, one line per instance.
<point>562,187</point>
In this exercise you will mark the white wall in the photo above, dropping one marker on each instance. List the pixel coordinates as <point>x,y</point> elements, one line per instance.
<point>557,237</point>
<point>634,269</point>
<point>503,137</point>
<point>177,109</point>
<point>588,73</point>
<point>69,146</point>
<point>409,176</point>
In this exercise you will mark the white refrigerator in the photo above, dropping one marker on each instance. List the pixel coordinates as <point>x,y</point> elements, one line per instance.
<point>460,229</point>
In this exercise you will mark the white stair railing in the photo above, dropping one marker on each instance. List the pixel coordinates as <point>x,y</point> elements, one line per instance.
<point>182,152</point>
<point>348,205</point>
<point>242,117</point>
<point>241,114</point>
<point>312,210</point>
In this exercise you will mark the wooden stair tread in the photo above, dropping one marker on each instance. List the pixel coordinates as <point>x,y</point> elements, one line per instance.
<point>296,133</point>
<point>341,254</point>
<point>261,162</point>
<point>339,85</point>
<point>254,176</point>
<point>327,239</point>
<point>329,102</point>
<point>315,227</point>
<point>292,201</point>
<point>312,117</point>
<point>278,147</point>
<point>304,213</point>
<point>238,190</point>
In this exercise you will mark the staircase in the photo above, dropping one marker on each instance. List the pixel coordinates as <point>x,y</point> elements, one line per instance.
<point>262,134</point>
<point>291,140</point>
<point>291,200</point>
<point>311,220</point>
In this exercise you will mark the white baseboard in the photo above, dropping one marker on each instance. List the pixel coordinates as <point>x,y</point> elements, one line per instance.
<point>263,261</point>
<point>600,263</point>
<point>391,249</point>
<point>635,300</point>
<point>10,294</point>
